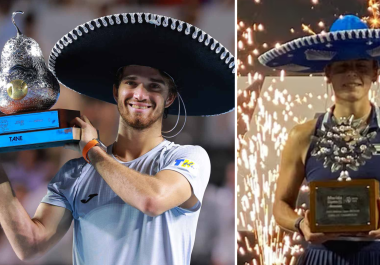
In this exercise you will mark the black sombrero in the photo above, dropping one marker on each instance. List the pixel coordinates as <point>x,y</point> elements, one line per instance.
<point>87,58</point>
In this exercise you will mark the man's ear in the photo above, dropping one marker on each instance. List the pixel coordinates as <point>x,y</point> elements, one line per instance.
<point>115,93</point>
<point>170,100</point>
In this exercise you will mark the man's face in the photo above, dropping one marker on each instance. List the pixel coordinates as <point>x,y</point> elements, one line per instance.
<point>142,96</point>
<point>351,80</point>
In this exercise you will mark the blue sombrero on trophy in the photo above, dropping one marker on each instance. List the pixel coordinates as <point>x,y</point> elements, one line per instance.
<point>349,39</point>
<point>88,57</point>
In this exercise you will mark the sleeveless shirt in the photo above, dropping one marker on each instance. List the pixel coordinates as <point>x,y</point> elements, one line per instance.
<point>314,169</point>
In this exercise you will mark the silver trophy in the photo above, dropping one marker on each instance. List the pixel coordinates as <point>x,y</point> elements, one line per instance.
<point>26,84</point>
<point>27,91</point>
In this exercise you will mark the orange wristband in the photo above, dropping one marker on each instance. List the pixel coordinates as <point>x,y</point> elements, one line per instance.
<point>87,148</point>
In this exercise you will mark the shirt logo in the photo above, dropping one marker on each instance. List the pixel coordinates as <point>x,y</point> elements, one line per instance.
<point>90,197</point>
<point>184,163</point>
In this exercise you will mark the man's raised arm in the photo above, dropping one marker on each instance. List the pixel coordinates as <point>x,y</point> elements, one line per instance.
<point>30,237</point>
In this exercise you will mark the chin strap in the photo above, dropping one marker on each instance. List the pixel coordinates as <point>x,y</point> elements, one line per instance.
<point>179,113</point>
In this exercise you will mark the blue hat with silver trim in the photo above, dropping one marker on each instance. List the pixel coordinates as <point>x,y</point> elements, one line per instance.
<point>349,38</point>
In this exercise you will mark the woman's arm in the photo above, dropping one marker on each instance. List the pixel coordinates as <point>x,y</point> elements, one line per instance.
<point>292,174</point>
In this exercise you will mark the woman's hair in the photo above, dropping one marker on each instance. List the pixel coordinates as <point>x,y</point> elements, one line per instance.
<point>168,81</point>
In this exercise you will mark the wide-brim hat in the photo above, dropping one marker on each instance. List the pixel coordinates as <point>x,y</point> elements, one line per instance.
<point>349,38</point>
<point>87,58</point>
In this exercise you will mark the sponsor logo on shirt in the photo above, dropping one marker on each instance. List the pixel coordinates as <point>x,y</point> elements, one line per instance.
<point>184,163</point>
<point>89,198</point>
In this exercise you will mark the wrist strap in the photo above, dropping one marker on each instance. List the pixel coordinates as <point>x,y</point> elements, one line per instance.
<point>297,225</point>
<point>87,148</point>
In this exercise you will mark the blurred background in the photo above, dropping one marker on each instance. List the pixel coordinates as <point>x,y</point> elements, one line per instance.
<point>30,171</point>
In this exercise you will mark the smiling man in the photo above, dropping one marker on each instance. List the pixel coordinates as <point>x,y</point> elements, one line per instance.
<point>138,200</point>
<point>129,78</point>
<point>149,182</point>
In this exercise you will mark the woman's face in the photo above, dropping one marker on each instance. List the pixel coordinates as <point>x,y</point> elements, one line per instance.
<point>351,80</point>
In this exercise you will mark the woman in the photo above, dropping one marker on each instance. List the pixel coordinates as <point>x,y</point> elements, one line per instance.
<point>348,55</point>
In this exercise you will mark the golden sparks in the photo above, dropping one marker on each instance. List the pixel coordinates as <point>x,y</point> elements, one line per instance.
<point>307,29</point>
<point>373,8</point>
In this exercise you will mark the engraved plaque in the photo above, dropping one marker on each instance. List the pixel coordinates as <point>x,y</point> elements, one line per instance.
<point>344,206</point>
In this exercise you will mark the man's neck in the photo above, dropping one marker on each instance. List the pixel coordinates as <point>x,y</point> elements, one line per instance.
<point>360,109</point>
<point>132,143</point>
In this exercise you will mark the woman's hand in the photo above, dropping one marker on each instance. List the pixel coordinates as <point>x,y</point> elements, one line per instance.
<point>314,238</point>
<point>375,233</point>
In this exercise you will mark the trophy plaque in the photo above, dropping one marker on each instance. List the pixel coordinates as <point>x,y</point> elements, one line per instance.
<point>27,91</point>
<point>344,205</point>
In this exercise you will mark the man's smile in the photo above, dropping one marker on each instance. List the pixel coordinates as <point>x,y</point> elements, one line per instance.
<point>138,106</point>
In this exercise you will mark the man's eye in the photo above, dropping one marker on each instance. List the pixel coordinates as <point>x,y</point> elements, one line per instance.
<point>154,85</point>
<point>130,83</point>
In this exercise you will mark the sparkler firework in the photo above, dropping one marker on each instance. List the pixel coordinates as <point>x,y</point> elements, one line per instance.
<point>269,110</point>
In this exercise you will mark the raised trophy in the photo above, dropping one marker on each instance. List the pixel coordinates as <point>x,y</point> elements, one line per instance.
<point>345,205</point>
<point>27,91</point>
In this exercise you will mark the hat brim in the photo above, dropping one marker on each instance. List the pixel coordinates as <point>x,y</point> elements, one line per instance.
<point>87,58</point>
<point>312,54</point>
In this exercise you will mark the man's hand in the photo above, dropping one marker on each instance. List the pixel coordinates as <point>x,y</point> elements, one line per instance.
<point>315,238</point>
<point>88,132</point>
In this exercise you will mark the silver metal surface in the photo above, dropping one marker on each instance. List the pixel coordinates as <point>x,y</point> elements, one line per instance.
<point>37,88</point>
<point>344,144</point>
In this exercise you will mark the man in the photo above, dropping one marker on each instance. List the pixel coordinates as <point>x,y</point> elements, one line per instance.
<point>138,200</point>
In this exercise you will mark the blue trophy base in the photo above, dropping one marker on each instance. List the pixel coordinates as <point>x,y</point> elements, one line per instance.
<point>36,130</point>
<point>39,139</point>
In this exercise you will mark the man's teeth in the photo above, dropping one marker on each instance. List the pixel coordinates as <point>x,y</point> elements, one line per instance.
<point>139,107</point>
